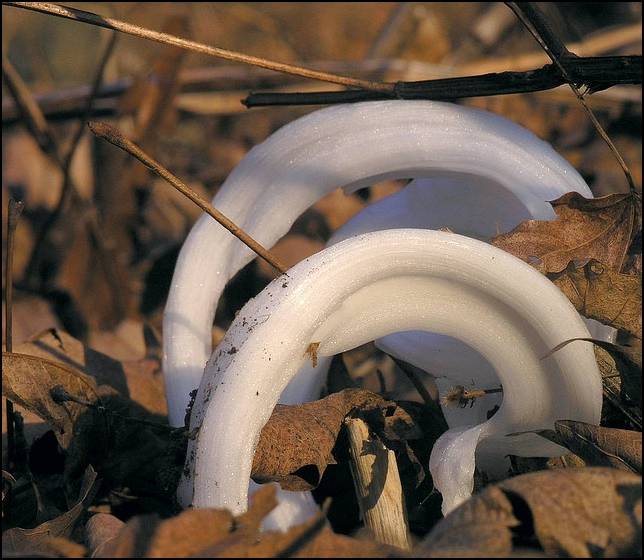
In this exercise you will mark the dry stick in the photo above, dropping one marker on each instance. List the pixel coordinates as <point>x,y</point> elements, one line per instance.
<point>534,21</point>
<point>65,103</point>
<point>14,211</point>
<point>378,488</point>
<point>597,72</point>
<point>166,38</point>
<point>34,119</point>
<point>432,406</point>
<point>114,136</point>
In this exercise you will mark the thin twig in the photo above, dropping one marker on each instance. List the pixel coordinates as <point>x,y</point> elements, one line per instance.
<point>535,22</point>
<point>410,371</point>
<point>597,73</point>
<point>114,136</point>
<point>34,119</point>
<point>530,15</point>
<point>431,405</point>
<point>13,214</point>
<point>166,38</point>
<point>229,80</point>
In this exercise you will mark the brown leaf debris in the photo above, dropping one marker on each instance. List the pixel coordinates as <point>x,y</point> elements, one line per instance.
<point>597,228</point>
<point>582,513</point>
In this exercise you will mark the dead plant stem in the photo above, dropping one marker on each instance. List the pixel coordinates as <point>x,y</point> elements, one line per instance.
<point>13,214</point>
<point>534,21</point>
<point>114,136</point>
<point>168,39</point>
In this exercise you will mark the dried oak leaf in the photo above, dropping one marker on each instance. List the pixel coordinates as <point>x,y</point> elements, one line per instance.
<point>38,539</point>
<point>119,440</point>
<point>599,446</point>
<point>29,381</point>
<point>140,380</point>
<point>296,443</point>
<point>579,513</point>
<point>609,297</point>
<point>149,536</point>
<point>597,228</point>
<point>208,533</point>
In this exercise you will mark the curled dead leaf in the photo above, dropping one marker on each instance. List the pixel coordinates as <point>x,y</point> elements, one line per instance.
<point>582,513</point>
<point>208,533</point>
<point>38,539</point>
<point>29,381</point>
<point>140,380</point>
<point>599,446</point>
<point>598,228</point>
<point>609,297</point>
<point>296,443</point>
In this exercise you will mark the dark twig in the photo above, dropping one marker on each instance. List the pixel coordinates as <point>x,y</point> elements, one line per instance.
<point>34,119</point>
<point>166,38</point>
<point>535,22</point>
<point>114,136</point>
<point>434,410</point>
<point>529,14</point>
<point>13,213</point>
<point>596,73</point>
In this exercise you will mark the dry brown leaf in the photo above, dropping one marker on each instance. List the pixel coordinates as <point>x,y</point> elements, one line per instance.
<point>100,530</point>
<point>599,446</point>
<point>207,533</point>
<point>140,380</point>
<point>609,297</point>
<point>313,539</point>
<point>597,228</point>
<point>18,540</point>
<point>29,380</point>
<point>149,536</point>
<point>50,547</point>
<point>125,441</point>
<point>586,512</point>
<point>31,315</point>
<point>338,207</point>
<point>296,443</point>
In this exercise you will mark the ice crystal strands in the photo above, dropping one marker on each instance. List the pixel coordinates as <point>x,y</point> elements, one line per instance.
<point>379,283</point>
<point>349,146</point>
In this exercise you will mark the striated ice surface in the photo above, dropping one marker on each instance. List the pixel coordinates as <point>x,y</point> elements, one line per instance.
<point>469,191</point>
<point>372,285</point>
<point>350,146</point>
